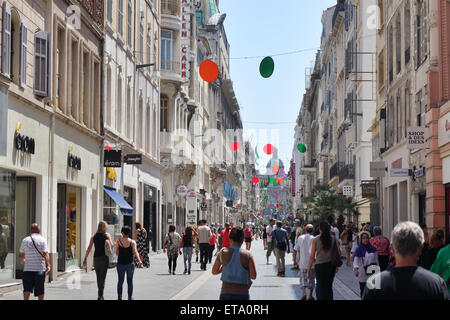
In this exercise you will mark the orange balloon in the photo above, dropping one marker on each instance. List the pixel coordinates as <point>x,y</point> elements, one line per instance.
<point>209,71</point>
<point>276,168</point>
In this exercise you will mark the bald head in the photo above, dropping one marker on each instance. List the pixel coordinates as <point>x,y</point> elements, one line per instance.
<point>35,228</point>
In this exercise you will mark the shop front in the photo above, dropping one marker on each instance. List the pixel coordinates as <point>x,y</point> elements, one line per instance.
<point>150,214</point>
<point>444,144</point>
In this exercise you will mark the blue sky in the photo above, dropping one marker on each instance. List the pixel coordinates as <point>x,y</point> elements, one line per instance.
<point>262,28</point>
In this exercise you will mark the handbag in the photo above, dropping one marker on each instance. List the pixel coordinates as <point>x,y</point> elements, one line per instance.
<point>337,261</point>
<point>108,248</point>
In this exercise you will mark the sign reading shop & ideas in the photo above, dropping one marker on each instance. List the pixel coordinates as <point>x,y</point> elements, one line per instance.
<point>416,138</point>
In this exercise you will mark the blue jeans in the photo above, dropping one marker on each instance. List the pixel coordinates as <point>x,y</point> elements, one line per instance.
<point>187,257</point>
<point>229,296</point>
<point>129,270</point>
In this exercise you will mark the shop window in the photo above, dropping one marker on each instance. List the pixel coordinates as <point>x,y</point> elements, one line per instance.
<point>7,223</point>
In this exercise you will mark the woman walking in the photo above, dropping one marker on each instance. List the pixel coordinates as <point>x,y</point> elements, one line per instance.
<point>322,250</point>
<point>172,241</point>
<point>437,242</point>
<point>347,238</point>
<point>101,261</point>
<point>237,267</point>
<point>125,249</point>
<point>264,236</point>
<point>140,235</point>
<point>187,241</point>
<point>212,246</point>
<point>355,241</point>
<point>365,258</point>
<point>248,237</point>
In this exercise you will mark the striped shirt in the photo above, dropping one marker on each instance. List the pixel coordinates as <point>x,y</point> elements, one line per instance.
<point>33,260</point>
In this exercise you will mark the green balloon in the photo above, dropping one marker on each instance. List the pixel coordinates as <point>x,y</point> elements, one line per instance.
<point>266,67</point>
<point>301,147</point>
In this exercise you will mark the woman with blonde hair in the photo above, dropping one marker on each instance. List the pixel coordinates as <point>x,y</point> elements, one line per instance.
<point>101,261</point>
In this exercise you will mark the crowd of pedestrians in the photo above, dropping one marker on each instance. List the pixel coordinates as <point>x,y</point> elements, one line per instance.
<point>410,266</point>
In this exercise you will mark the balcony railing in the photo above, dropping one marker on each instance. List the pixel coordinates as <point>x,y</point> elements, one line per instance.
<point>170,7</point>
<point>334,170</point>
<point>346,172</point>
<point>169,66</point>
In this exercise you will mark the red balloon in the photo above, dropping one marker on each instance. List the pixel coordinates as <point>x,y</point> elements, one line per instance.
<point>255,180</point>
<point>209,71</point>
<point>269,149</point>
<point>235,146</point>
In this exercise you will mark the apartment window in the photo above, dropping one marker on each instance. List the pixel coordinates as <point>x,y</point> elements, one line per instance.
<point>407,111</point>
<point>155,131</point>
<point>17,47</point>
<point>129,23</point>
<point>164,126</point>
<point>398,44</point>
<point>421,33</point>
<point>130,115</point>
<point>41,63</point>
<point>166,49</point>
<point>149,36</point>
<point>381,68</point>
<point>398,117</point>
<point>420,109</point>
<point>86,88</point>
<point>139,125</point>
<point>390,54</point>
<point>6,39</point>
<point>141,40</point>
<point>109,10</point>
<point>390,127</point>
<point>119,105</point>
<point>74,79</point>
<point>96,101</point>
<point>148,126</point>
<point>407,32</point>
<point>120,17</point>
<point>108,111</point>
<point>59,62</point>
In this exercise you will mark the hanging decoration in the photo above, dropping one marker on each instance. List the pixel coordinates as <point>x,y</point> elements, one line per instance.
<point>209,71</point>
<point>269,149</point>
<point>235,146</point>
<point>255,180</point>
<point>267,67</point>
<point>276,169</point>
<point>301,148</point>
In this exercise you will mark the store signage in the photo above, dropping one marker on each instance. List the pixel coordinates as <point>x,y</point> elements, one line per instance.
<point>369,190</point>
<point>113,158</point>
<point>209,203</point>
<point>229,203</point>
<point>293,179</point>
<point>416,138</point>
<point>192,194</point>
<point>377,169</point>
<point>203,206</point>
<point>185,40</point>
<point>418,173</point>
<point>398,173</point>
<point>24,143</point>
<point>133,159</point>
<point>74,162</point>
<point>182,190</point>
<point>191,219</point>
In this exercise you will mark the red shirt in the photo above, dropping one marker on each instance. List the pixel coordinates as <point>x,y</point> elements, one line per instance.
<point>248,233</point>
<point>212,240</point>
<point>382,244</point>
<point>225,238</point>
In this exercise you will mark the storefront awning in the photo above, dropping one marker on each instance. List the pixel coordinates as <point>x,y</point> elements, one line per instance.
<point>125,208</point>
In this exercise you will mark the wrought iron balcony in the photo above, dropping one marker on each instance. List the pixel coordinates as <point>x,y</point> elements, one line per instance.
<point>334,170</point>
<point>346,172</point>
<point>170,7</point>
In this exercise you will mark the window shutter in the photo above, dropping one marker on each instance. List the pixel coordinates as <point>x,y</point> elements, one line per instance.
<point>41,63</point>
<point>23,54</point>
<point>346,16</point>
<point>6,39</point>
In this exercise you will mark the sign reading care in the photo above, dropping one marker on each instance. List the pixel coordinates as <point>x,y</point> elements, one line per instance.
<point>185,40</point>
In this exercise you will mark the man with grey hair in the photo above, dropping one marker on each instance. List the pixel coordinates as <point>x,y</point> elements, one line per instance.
<point>406,281</point>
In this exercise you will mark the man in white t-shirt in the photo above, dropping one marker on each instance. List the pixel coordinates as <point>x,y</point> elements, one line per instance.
<point>34,255</point>
<point>269,230</point>
<point>204,233</point>
<point>303,250</point>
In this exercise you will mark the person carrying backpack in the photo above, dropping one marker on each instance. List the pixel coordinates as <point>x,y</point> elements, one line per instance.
<point>281,245</point>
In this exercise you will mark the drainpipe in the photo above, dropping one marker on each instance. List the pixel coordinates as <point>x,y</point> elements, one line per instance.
<point>100,178</point>
<point>53,255</point>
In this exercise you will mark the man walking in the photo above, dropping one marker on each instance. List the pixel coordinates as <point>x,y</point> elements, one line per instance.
<point>281,245</point>
<point>269,230</point>
<point>406,281</point>
<point>302,253</point>
<point>204,234</point>
<point>382,244</point>
<point>33,254</point>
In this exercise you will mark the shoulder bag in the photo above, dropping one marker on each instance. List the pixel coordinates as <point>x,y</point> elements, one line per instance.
<point>108,248</point>
<point>34,244</point>
<point>281,245</point>
<point>336,259</point>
